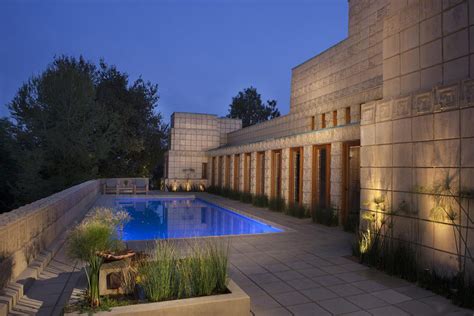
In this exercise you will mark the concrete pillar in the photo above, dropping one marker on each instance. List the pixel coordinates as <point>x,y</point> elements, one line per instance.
<point>268,171</point>
<point>307,173</point>
<point>285,173</point>
<point>336,175</point>
<point>253,173</point>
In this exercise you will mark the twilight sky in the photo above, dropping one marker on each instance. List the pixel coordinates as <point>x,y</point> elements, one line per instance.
<point>199,52</point>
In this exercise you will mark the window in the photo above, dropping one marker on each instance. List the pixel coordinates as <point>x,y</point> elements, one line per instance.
<point>334,118</point>
<point>313,123</point>
<point>204,170</point>
<point>323,120</point>
<point>348,115</point>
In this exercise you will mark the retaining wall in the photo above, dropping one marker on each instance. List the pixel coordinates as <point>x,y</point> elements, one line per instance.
<point>26,231</point>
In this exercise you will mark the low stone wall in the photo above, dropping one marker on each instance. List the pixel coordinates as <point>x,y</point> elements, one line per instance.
<point>26,231</point>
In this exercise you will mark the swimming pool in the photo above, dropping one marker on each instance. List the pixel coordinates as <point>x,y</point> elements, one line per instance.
<point>184,217</point>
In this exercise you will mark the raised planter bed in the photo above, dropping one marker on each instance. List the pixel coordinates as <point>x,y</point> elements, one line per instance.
<point>235,303</point>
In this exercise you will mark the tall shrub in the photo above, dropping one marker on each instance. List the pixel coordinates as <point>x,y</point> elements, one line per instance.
<point>97,234</point>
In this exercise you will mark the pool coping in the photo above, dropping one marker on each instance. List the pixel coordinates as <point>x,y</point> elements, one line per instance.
<point>285,229</point>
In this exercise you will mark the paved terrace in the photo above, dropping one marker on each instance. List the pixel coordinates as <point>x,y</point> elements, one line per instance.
<point>306,271</point>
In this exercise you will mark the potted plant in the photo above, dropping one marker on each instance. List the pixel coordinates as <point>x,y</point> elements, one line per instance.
<point>97,235</point>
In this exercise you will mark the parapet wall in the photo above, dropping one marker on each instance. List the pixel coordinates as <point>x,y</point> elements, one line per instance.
<point>26,231</point>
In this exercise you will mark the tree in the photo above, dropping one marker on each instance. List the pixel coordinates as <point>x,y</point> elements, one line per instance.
<point>77,121</point>
<point>8,166</point>
<point>247,105</point>
<point>139,131</point>
<point>59,128</point>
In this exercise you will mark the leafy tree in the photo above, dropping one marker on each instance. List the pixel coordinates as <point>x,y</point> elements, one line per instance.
<point>8,166</point>
<point>78,121</point>
<point>247,105</point>
<point>59,128</point>
<point>139,131</point>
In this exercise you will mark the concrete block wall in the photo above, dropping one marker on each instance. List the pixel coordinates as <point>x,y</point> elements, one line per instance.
<point>412,145</point>
<point>426,43</point>
<point>26,231</point>
<point>348,73</point>
<point>191,135</point>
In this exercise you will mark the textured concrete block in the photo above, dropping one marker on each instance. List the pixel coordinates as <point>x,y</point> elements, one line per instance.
<point>429,8</point>
<point>383,133</point>
<point>431,54</point>
<point>367,157</point>
<point>403,155</point>
<point>391,46</point>
<point>410,61</point>
<point>456,45</point>
<point>423,154</point>
<point>431,77</point>
<point>447,153</point>
<point>391,88</point>
<point>402,130</point>
<point>410,83</point>
<point>391,67</point>
<point>409,38</point>
<point>446,125</point>
<point>467,122</point>
<point>456,70</point>
<point>367,135</point>
<point>455,18</point>
<point>430,29</point>
<point>402,179</point>
<point>376,178</point>
<point>422,127</point>
<point>467,152</point>
<point>383,156</point>
<point>471,70</point>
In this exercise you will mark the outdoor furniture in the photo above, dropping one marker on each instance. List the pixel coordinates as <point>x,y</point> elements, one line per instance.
<point>126,186</point>
<point>140,186</point>
<point>110,186</point>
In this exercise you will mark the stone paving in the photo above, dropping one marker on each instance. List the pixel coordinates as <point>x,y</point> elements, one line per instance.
<point>305,271</point>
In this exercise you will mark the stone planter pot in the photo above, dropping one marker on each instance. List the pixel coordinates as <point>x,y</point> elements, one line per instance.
<point>235,303</point>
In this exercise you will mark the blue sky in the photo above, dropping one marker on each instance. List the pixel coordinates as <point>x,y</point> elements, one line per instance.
<point>199,52</point>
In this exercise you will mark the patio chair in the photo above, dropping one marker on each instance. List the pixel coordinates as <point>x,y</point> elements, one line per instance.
<point>110,186</point>
<point>140,186</point>
<point>126,186</point>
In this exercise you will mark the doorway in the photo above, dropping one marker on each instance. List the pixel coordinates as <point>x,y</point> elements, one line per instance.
<point>276,174</point>
<point>351,185</point>
<point>296,175</point>
<point>321,176</point>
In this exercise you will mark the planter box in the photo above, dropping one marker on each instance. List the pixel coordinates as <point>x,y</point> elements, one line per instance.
<point>235,303</point>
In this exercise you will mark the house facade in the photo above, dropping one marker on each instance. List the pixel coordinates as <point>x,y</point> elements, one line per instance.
<point>381,124</point>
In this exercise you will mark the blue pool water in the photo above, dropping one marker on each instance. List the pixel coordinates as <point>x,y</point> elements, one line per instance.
<point>185,217</point>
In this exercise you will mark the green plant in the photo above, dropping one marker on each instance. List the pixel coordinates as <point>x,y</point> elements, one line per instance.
<point>234,195</point>
<point>297,210</point>
<point>226,192</point>
<point>276,204</point>
<point>203,271</point>
<point>351,224</point>
<point>158,276</point>
<point>260,200</point>
<point>325,215</point>
<point>246,197</point>
<point>213,189</point>
<point>99,232</point>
